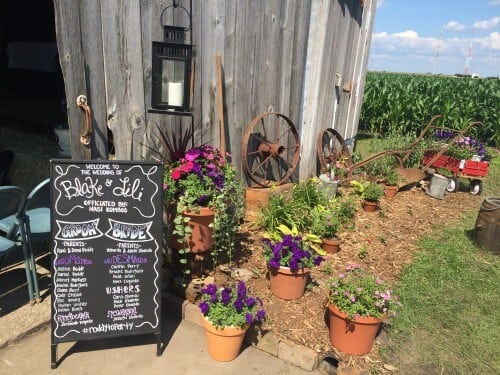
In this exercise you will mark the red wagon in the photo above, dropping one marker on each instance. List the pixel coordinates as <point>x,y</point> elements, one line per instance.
<point>474,170</point>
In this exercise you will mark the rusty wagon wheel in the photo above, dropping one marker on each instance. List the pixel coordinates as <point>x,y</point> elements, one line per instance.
<point>331,148</point>
<point>270,150</point>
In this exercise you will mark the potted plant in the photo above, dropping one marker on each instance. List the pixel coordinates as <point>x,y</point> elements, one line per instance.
<point>328,219</point>
<point>290,261</point>
<point>325,224</point>
<point>370,192</point>
<point>227,314</point>
<point>206,193</point>
<point>358,302</point>
<point>391,177</point>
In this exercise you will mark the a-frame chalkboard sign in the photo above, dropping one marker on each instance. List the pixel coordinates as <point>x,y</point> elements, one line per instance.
<point>106,251</point>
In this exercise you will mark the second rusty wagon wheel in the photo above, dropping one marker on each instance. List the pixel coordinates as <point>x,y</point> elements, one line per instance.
<point>270,150</point>
<point>332,148</point>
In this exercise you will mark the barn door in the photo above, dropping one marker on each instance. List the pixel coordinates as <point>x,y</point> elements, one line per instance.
<point>79,43</point>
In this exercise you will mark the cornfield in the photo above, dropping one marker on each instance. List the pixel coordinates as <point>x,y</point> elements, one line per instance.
<point>404,103</point>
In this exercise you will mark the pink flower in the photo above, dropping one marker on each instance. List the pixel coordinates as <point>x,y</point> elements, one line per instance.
<point>176,174</point>
<point>379,281</point>
<point>187,167</point>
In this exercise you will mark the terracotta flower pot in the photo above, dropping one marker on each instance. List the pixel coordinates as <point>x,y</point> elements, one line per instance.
<point>201,232</point>
<point>286,284</point>
<point>390,191</point>
<point>330,245</point>
<point>370,206</point>
<point>223,344</point>
<point>352,336</point>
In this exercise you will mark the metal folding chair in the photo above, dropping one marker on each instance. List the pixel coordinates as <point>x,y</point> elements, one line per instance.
<point>14,234</point>
<point>36,218</point>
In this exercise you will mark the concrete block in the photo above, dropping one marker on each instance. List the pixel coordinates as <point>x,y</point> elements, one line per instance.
<point>298,355</point>
<point>263,340</point>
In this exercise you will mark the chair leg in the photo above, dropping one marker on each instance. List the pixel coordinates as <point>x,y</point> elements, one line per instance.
<point>29,261</point>
<point>29,274</point>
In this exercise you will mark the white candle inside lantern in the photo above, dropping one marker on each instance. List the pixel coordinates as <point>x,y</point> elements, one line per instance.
<point>175,93</point>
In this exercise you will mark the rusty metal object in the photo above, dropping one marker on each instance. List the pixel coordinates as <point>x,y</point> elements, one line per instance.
<point>86,136</point>
<point>270,149</point>
<point>331,148</point>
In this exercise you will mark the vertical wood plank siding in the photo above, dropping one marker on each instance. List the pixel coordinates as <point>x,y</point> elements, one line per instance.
<point>278,55</point>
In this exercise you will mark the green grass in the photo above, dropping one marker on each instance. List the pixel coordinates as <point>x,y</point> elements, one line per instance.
<point>449,322</point>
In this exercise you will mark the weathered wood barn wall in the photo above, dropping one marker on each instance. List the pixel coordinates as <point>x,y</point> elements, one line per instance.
<point>305,59</point>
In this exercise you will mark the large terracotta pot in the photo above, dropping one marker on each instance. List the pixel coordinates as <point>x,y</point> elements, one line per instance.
<point>201,231</point>
<point>286,284</point>
<point>223,344</point>
<point>330,245</point>
<point>352,336</point>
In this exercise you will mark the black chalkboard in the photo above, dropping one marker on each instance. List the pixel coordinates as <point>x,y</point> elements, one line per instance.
<point>106,252</point>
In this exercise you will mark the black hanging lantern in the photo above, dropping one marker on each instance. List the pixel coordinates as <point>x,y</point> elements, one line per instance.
<point>171,67</point>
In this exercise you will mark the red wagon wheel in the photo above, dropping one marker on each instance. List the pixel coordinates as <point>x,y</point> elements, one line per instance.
<point>331,148</point>
<point>270,150</point>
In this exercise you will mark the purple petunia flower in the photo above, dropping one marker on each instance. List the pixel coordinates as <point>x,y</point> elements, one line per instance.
<point>318,260</point>
<point>203,200</point>
<point>273,263</point>
<point>250,301</point>
<point>204,307</point>
<point>261,314</point>
<point>209,289</point>
<point>214,298</point>
<point>238,304</point>
<point>249,318</point>
<point>242,290</point>
<point>226,296</point>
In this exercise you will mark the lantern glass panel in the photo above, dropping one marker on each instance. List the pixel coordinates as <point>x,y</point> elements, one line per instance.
<point>172,82</point>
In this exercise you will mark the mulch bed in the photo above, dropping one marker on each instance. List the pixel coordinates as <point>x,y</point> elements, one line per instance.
<point>384,241</point>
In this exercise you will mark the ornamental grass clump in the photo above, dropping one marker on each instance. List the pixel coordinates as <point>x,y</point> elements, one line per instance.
<point>230,307</point>
<point>290,252</point>
<point>361,294</point>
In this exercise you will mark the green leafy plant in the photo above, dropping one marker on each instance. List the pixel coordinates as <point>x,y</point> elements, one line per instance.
<point>328,219</point>
<point>231,306</point>
<point>391,177</point>
<point>325,222</point>
<point>358,293</point>
<point>370,191</point>
<point>291,209</point>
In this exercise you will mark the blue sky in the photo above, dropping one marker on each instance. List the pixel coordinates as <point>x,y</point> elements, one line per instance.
<point>434,36</point>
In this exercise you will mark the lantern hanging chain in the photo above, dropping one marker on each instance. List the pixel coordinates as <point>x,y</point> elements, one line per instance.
<point>85,138</point>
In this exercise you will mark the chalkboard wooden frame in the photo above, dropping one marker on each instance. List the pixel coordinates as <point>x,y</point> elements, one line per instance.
<point>106,250</point>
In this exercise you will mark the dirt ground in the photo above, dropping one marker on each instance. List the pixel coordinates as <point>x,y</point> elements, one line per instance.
<point>384,241</point>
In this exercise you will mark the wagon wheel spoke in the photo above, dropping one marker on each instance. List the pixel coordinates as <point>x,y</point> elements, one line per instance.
<point>331,148</point>
<point>270,150</point>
